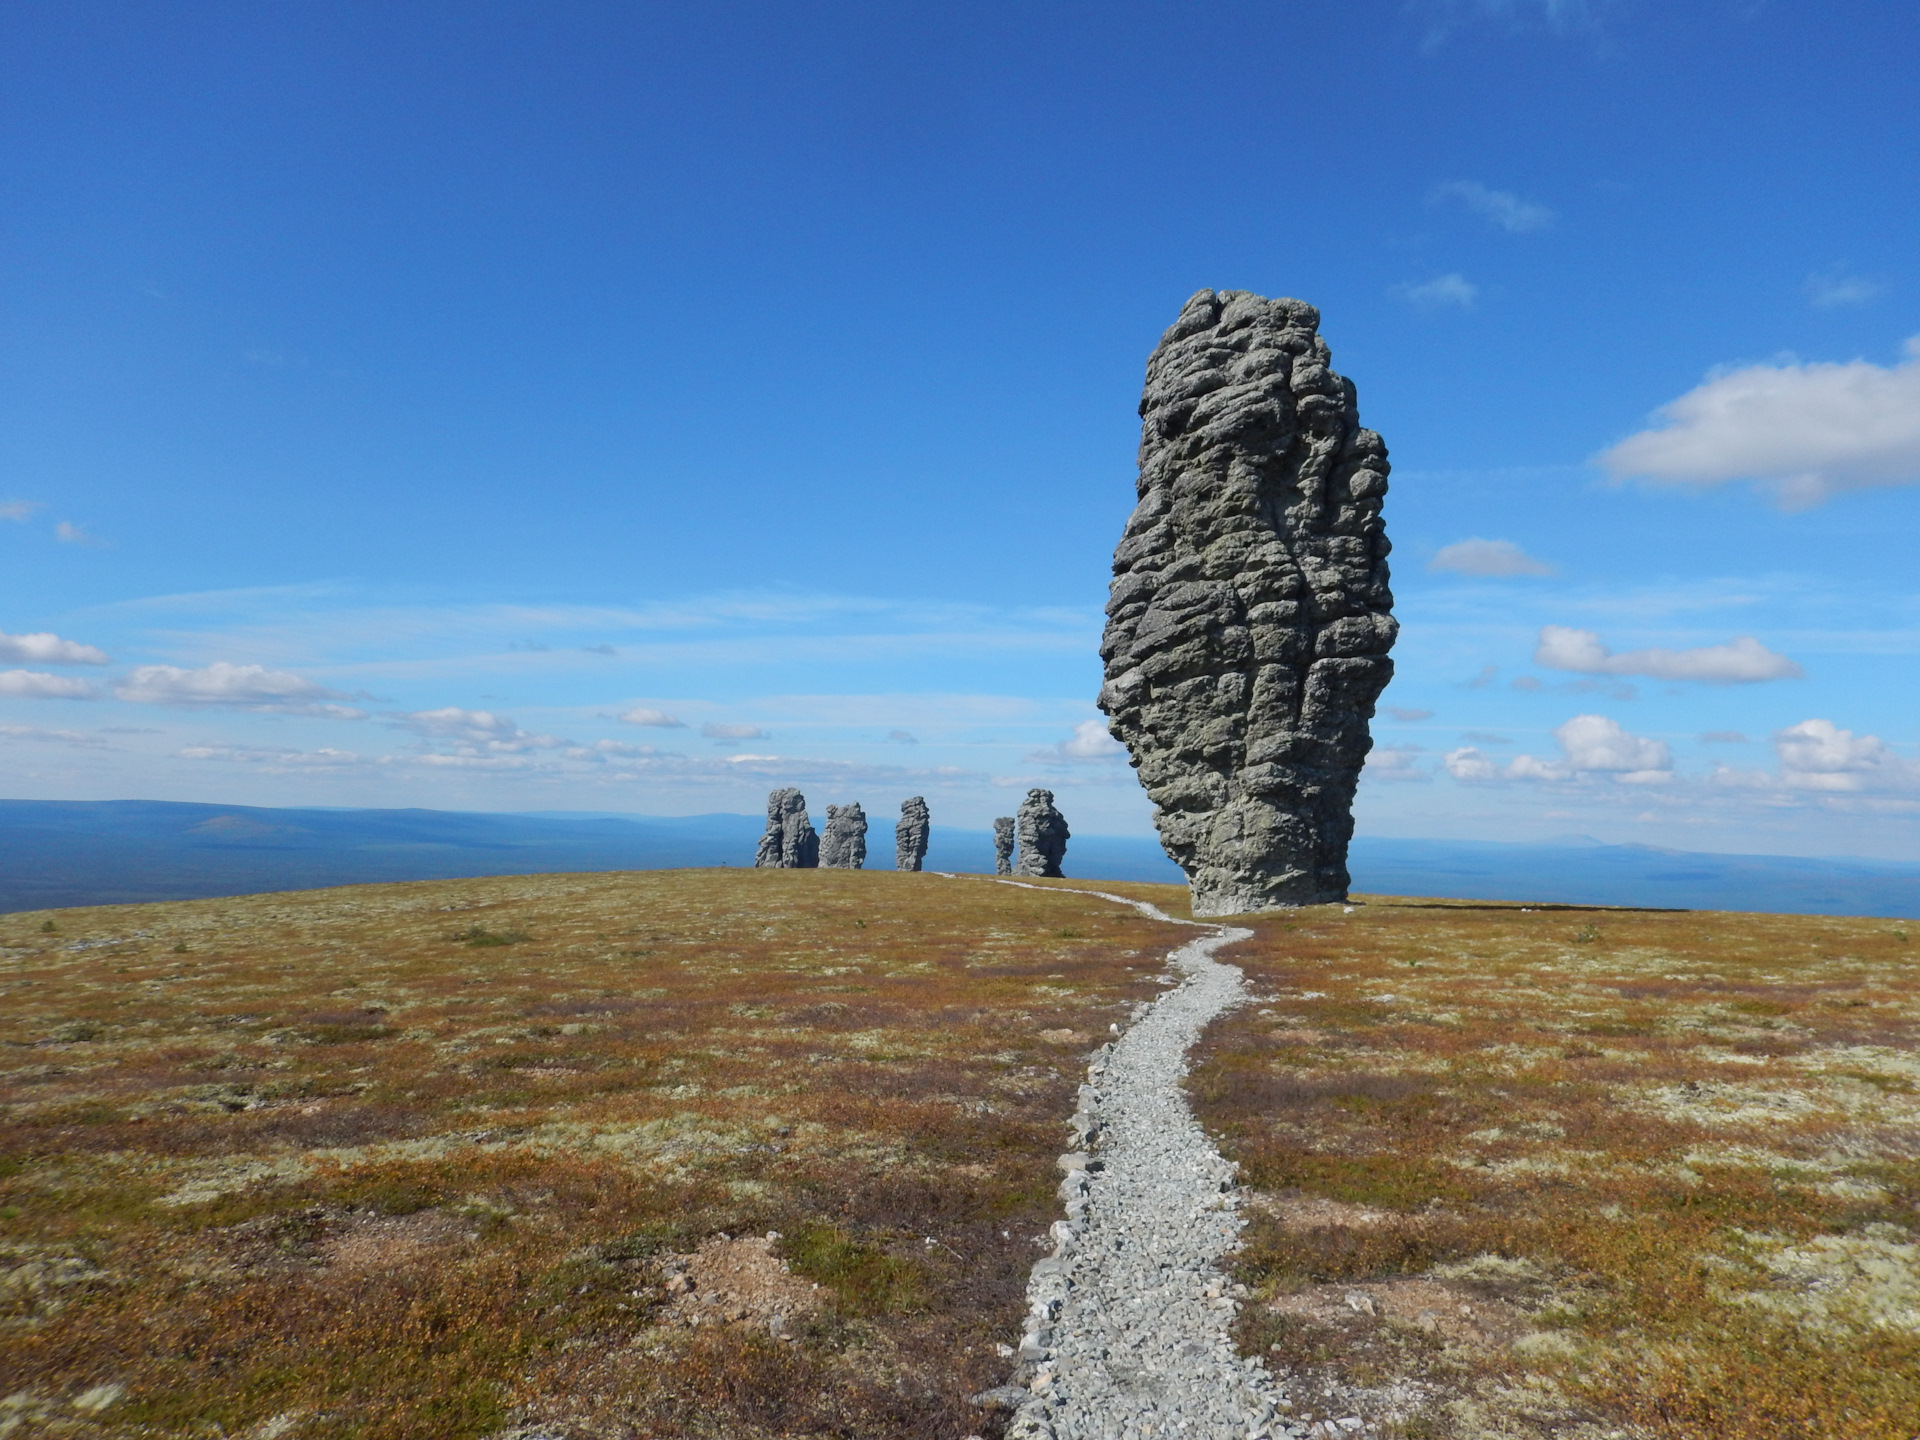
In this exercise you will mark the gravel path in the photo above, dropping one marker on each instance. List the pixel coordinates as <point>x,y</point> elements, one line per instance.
<point>1127,1332</point>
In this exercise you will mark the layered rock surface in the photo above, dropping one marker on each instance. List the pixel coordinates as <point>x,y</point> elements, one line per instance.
<point>910,835</point>
<point>843,844</point>
<point>1003,845</point>
<point>1043,835</point>
<point>1250,616</point>
<point>790,842</point>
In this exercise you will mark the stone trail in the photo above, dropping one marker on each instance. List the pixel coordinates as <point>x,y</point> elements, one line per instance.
<point>1128,1330</point>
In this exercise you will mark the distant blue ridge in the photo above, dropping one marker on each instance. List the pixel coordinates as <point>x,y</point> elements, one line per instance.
<point>61,853</point>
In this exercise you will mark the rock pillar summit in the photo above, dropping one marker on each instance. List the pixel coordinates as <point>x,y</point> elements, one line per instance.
<point>1249,620</point>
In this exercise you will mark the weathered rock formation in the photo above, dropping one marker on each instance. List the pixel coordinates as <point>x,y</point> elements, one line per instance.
<point>910,835</point>
<point>790,842</point>
<point>843,844</point>
<point>1250,619</point>
<point>1003,845</point>
<point>1043,835</point>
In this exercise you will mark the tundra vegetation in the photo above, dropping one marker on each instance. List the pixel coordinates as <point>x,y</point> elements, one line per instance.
<point>766,1153</point>
<point>451,1158</point>
<point>1538,1171</point>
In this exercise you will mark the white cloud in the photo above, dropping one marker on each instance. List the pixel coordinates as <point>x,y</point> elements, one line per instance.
<point>1090,741</point>
<point>1743,660</point>
<point>1819,755</point>
<point>38,685</point>
<point>1394,763</point>
<point>1593,742</point>
<point>1488,559</point>
<point>733,732</point>
<point>18,510</point>
<point>67,533</point>
<point>42,648</point>
<point>640,715</point>
<point>1835,286</point>
<point>1501,207</point>
<point>476,733</point>
<point>1450,289</point>
<point>1804,433</point>
<point>1470,765</point>
<point>1531,767</point>
<point>246,687</point>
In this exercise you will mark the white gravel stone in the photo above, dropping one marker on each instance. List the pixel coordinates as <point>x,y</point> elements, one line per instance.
<point>1129,1321</point>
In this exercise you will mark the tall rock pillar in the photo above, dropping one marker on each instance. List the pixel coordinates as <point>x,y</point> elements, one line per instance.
<point>843,844</point>
<point>1003,845</point>
<point>1250,618</point>
<point>791,842</point>
<point>1043,836</point>
<point>910,835</point>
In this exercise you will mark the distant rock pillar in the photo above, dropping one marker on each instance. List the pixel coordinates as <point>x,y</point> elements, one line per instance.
<point>843,846</point>
<point>791,843</point>
<point>910,835</point>
<point>1003,845</point>
<point>1043,836</point>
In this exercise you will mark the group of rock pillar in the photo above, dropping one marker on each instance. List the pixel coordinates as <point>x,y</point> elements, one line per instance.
<point>790,842</point>
<point>1038,831</point>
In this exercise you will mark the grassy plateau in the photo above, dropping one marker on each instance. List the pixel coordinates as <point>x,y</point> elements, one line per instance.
<point>1551,1172</point>
<point>760,1153</point>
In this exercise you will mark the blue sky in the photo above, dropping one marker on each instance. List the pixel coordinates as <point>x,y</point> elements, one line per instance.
<point>425,404</point>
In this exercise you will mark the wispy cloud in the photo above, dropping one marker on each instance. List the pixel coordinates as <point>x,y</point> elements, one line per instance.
<point>19,511</point>
<point>1499,207</point>
<point>1740,661</point>
<point>1837,286</point>
<point>35,733</point>
<point>1452,290</point>
<point>1395,764</point>
<point>68,533</point>
<point>640,715</point>
<point>38,685</point>
<point>476,732</point>
<point>1445,18</point>
<point>43,648</point>
<point>902,737</point>
<point>1487,559</point>
<point>714,731</point>
<point>1405,715</point>
<point>242,687</point>
<point>1803,432</point>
